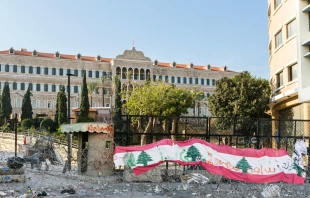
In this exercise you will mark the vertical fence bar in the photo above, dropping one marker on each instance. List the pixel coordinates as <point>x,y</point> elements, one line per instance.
<point>257,134</point>
<point>279,134</point>
<point>207,130</point>
<point>234,125</point>
<point>128,129</point>
<point>294,131</point>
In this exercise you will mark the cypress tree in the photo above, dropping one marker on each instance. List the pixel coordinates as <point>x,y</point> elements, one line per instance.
<point>62,106</point>
<point>117,114</point>
<point>6,107</point>
<point>84,108</point>
<point>26,106</point>
<point>56,113</point>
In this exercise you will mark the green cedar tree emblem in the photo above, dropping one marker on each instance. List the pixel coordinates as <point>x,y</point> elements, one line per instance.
<point>244,165</point>
<point>143,158</point>
<point>129,159</point>
<point>193,153</point>
<point>298,169</point>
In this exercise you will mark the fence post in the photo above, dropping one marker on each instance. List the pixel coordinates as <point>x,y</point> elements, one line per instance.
<point>128,128</point>
<point>294,131</point>
<point>257,133</point>
<point>234,125</point>
<point>279,134</point>
<point>207,130</point>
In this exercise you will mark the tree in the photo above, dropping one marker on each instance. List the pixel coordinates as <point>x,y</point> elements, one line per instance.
<point>48,124</point>
<point>244,165</point>
<point>84,107</point>
<point>143,158</point>
<point>117,112</point>
<point>193,153</point>
<point>6,107</point>
<point>62,106</point>
<point>27,123</point>
<point>92,87</point>
<point>242,96</point>
<point>158,99</point>
<point>102,81</point>
<point>26,106</point>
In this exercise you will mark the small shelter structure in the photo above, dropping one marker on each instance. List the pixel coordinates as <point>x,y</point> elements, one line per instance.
<point>95,147</point>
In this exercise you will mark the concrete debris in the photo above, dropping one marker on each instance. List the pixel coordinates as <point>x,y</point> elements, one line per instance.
<point>208,195</point>
<point>2,194</point>
<point>272,191</point>
<point>157,189</point>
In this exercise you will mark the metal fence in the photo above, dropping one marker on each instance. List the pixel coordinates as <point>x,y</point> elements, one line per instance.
<point>238,132</point>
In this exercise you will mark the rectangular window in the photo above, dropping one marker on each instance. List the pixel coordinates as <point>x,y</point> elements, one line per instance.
<point>7,68</point>
<point>38,87</point>
<point>172,79</point>
<point>278,39</point>
<point>18,103</point>
<point>30,69</point>
<point>53,71</point>
<point>291,29</point>
<point>46,71</point>
<point>90,74</point>
<point>76,90</point>
<point>179,80</point>
<point>61,72</point>
<point>14,86</point>
<point>22,69</point>
<point>196,81</point>
<point>38,70</point>
<point>46,87</point>
<point>22,86</point>
<point>97,74</point>
<point>202,82</point>
<point>76,72</point>
<point>184,80</point>
<point>292,72</point>
<point>34,104</point>
<point>208,82</point>
<point>277,3</point>
<point>42,104</point>
<point>190,81</point>
<point>30,86</point>
<point>53,88</point>
<point>49,104</point>
<point>280,79</point>
<point>68,71</point>
<point>14,68</point>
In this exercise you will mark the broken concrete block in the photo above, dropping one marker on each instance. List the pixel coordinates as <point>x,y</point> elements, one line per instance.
<point>153,175</point>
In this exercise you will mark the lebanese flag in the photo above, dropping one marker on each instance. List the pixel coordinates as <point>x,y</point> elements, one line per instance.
<point>249,165</point>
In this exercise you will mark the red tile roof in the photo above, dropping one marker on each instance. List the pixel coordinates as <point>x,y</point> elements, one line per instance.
<point>92,58</point>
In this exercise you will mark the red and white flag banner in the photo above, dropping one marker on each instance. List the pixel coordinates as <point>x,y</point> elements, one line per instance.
<point>249,165</point>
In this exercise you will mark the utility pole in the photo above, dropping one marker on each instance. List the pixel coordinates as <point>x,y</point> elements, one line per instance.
<point>69,136</point>
<point>15,127</point>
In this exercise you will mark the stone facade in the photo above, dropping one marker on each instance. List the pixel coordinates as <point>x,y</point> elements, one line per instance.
<point>45,72</point>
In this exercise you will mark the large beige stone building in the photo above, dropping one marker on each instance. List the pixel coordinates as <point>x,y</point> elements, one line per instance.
<point>289,62</point>
<point>43,73</point>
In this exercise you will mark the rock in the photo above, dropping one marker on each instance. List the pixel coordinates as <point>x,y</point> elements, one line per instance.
<point>2,194</point>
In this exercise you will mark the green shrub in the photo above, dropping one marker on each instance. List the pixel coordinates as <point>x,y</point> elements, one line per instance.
<point>27,123</point>
<point>85,119</point>
<point>48,124</point>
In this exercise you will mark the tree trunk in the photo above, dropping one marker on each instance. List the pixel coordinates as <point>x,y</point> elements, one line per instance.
<point>146,130</point>
<point>174,131</point>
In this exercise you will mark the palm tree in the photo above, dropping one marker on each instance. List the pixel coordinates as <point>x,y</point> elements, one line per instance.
<point>92,87</point>
<point>102,81</point>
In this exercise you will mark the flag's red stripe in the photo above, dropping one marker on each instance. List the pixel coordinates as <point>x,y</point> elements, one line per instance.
<point>248,152</point>
<point>220,170</point>
<point>122,149</point>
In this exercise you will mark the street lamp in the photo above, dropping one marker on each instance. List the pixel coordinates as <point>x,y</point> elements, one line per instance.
<point>69,136</point>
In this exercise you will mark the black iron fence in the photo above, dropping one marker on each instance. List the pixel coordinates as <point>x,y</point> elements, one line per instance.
<point>238,132</point>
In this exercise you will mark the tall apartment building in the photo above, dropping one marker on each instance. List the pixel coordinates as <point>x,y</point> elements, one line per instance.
<point>44,73</point>
<point>289,62</point>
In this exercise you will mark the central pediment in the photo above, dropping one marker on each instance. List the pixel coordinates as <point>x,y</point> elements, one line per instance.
<point>133,55</point>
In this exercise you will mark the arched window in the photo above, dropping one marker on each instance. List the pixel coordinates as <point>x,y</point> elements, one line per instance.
<point>184,80</point>
<point>148,74</point>
<point>136,74</point>
<point>124,73</point>
<point>142,74</point>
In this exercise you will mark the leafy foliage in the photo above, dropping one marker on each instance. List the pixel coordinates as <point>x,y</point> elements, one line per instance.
<point>26,106</point>
<point>27,123</point>
<point>92,87</point>
<point>193,153</point>
<point>6,107</point>
<point>85,119</point>
<point>117,113</point>
<point>62,106</point>
<point>241,96</point>
<point>159,99</point>
<point>48,124</point>
<point>244,165</point>
<point>143,158</point>
<point>84,108</point>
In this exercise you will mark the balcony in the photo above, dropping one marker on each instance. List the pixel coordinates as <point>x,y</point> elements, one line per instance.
<point>307,8</point>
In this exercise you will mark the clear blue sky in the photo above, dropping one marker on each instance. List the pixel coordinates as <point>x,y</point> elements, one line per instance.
<point>227,32</point>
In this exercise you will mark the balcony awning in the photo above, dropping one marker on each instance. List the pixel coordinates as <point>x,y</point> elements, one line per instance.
<point>91,127</point>
<point>307,55</point>
<point>307,43</point>
<point>306,9</point>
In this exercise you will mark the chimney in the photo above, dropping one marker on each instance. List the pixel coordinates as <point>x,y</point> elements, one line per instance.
<point>23,49</point>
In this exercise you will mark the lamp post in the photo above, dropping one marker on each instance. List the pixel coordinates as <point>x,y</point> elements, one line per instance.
<point>69,136</point>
